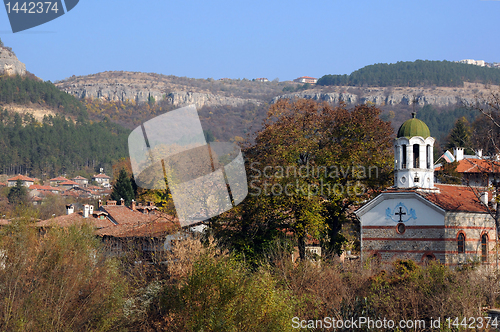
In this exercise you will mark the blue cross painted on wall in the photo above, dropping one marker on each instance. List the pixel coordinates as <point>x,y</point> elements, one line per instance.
<point>400,213</point>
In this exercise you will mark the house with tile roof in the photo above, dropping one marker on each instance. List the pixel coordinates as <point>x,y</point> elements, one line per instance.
<point>26,181</point>
<point>82,182</point>
<point>121,227</point>
<point>476,170</point>
<point>419,220</point>
<point>102,179</point>
<point>56,181</point>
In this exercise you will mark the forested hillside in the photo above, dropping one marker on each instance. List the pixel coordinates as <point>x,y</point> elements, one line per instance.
<point>440,123</point>
<point>222,123</point>
<point>419,73</point>
<point>58,145</point>
<point>24,90</point>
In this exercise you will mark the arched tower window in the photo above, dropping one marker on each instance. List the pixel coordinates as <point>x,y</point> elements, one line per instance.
<point>403,164</point>
<point>461,243</point>
<point>484,247</point>
<point>416,156</point>
<point>428,159</point>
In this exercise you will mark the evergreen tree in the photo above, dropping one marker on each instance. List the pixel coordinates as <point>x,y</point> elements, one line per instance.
<point>18,194</point>
<point>123,188</point>
<point>460,135</point>
<point>448,173</point>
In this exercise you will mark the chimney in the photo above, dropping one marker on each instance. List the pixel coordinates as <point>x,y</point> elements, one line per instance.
<point>484,198</point>
<point>70,209</point>
<point>132,205</point>
<point>122,201</point>
<point>91,212</point>
<point>99,205</point>
<point>479,153</point>
<point>458,153</point>
<point>86,210</point>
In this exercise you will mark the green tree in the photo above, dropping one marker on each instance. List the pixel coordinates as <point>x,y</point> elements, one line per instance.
<point>123,188</point>
<point>308,166</point>
<point>460,136</point>
<point>448,173</point>
<point>18,194</point>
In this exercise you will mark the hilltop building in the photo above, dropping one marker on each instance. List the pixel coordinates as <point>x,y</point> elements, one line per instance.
<point>420,220</point>
<point>306,79</point>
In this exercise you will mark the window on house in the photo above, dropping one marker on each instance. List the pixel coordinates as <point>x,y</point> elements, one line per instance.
<point>484,248</point>
<point>416,156</point>
<point>461,243</point>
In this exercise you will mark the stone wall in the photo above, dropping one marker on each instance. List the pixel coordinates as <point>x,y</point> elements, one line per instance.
<point>441,242</point>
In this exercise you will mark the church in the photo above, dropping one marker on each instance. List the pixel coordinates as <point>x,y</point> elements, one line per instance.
<point>420,220</point>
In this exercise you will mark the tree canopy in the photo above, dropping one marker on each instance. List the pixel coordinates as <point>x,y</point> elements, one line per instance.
<point>57,145</point>
<point>415,73</point>
<point>309,165</point>
<point>123,188</point>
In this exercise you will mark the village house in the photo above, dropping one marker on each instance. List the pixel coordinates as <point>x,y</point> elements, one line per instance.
<point>56,181</point>
<point>82,182</point>
<point>475,170</point>
<point>68,184</point>
<point>26,181</point>
<point>419,220</point>
<point>102,179</point>
<point>120,227</point>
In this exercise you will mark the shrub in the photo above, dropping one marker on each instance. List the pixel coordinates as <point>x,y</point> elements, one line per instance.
<point>58,281</point>
<point>221,295</point>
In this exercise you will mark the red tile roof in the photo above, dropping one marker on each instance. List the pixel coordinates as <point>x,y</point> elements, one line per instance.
<point>79,178</point>
<point>40,187</point>
<point>450,197</point>
<point>22,178</point>
<point>120,221</point>
<point>104,176</point>
<point>59,178</point>
<point>74,219</point>
<point>477,166</point>
<point>68,183</point>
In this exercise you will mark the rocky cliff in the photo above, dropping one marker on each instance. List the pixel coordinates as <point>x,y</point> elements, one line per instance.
<point>130,92</point>
<point>9,64</point>
<point>179,91</point>
<point>440,97</point>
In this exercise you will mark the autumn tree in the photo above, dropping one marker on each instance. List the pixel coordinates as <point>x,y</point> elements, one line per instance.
<point>307,168</point>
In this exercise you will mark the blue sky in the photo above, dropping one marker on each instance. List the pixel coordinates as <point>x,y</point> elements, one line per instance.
<point>250,39</point>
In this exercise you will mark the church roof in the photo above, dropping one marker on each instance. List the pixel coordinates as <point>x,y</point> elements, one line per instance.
<point>453,198</point>
<point>414,127</point>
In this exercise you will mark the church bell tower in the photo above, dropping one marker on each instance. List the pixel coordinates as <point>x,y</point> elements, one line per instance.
<point>413,156</point>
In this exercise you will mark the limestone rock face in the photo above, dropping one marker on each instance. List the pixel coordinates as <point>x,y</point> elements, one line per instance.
<point>140,94</point>
<point>9,64</point>
<point>380,98</point>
